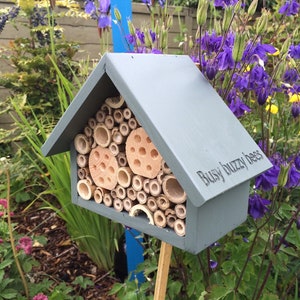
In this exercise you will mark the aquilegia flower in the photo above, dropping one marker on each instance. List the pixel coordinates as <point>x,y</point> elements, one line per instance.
<point>225,3</point>
<point>293,177</point>
<point>257,206</point>
<point>294,51</point>
<point>212,264</point>
<point>289,8</point>
<point>267,180</point>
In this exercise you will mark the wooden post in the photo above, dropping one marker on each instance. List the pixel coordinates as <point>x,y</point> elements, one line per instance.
<point>163,271</point>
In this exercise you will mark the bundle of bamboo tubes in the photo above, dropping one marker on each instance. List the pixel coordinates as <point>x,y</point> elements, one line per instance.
<point>119,166</point>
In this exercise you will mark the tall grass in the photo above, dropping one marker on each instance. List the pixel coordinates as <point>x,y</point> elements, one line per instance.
<point>94,234</point>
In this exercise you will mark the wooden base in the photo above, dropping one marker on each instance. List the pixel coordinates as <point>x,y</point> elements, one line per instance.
<point>163,271</point>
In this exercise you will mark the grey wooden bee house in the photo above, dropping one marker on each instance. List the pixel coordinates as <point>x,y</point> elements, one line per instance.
<point>189,130</point>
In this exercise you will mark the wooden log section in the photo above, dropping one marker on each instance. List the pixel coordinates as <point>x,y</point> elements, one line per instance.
<point>103,168</point>
<point>124,176</point>
<point>173,190</point>
<point>160,219</point>
<point>142,156</point>
<point>137,209</point>
<point>180,211</point>
<point>102,135</point>
<point>85,189</point>
<point>151,204</point>
<point>82,144</point>
<point>179,227</point>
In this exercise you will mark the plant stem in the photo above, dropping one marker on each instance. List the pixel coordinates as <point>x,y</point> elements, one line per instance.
<point>11,236</point>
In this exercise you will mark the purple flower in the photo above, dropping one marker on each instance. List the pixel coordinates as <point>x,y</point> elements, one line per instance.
<point>89,7</point>
<point>225,3</point>
<point>238,107</point>
<point>293,177</point>
<point>267,180</point>
<point>161,3</point>
<point>211,42</point>
<point>147,2</point>
<point>104,6</point>
<point>212,264</point>
<point>153,35</point>
<point>291,75</point>
<point>290,8</point>
<point>40,296</point>
<point>297,162</point>
<point>104,21</point>
<point>140,35</point>
<point>225,59</point>
<point>295,109</point>
<point>257,206</point>
<point>298,223</point>
<point>25,243</point>
<point>294,51</point>
<point>262,94</point>
<point>156,51</point>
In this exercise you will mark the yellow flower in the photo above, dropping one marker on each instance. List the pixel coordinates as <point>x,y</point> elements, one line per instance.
<point>275,53</point>
<point>294,98</point>
<point>272,108</point>
<point>269,99</point>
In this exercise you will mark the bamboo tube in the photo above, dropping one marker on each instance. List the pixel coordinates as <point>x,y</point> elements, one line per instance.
<point>146,185</point>
<point>143,158</point>
<point>118,138</point>
<point>160,176</point>
<point>154,187</point>
<point>124,129</point>
<point>89,179</point>
<point>100,116</point>
<point>137,182</point>
<point>122,160</point>
<point>165,167</point>
<point>132,123</point>
<point>92,123</point>
<point>107,199</point>
<point>106,108</point>
<point>127,113</point>
<point>82,173</point>
<point>103,168</point>
<point>114,148</point>
<point>115,102</point>
<point>102,135</point>
<point>85,190</point>
<point>94,144</point>
<point>82,144</point>
<point>113,193</point>
<point>163,202</point>
<point>131,193</point>
<point>118,204</point>
<point>173,190</point>
<point>159,219</point>
<point>151,204</point>
<point>136,209</point>
<point>82,160</point>
<point>171,220</point>
<point>124,176</point>
<point>88,131</point>
<point>141,196</point>
<point>179,227</point>
<point>118,116</point>
<point>98,195</point>
<point>128,204</point>
<point>120,192</point>
<point>169,211</point>
<point>109,122</point>
<point>180,211</point>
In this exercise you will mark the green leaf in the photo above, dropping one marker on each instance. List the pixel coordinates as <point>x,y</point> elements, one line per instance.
<point>9,294</point>
<point>218,292</point>
<point>227,267</point>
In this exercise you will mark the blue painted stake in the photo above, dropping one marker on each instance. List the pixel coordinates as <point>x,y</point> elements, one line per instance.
<point>134,248</point>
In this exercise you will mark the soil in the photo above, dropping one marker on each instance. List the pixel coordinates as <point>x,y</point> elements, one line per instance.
<point>60,258</point>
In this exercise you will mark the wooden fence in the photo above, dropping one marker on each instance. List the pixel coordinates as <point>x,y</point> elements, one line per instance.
<point>84,32</point>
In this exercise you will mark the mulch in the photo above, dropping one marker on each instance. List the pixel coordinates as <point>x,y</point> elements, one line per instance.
<point>60,259</point>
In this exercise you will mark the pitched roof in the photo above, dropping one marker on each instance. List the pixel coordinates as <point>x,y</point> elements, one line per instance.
<point>203,143</point>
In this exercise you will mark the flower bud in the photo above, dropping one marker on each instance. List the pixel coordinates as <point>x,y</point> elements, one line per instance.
<point>252,8</point>
<point>239,46</point>
<point>170,22</point>
<point>285,46</point>
<point>191,43</point>
<point>148,40</point>
<point>217,26</point>
<point>228,14</point>
<point>283,175</point>
<point>131,27</point>
<point>262,24</point>
<point>202,12</point>
<point>117,14</point>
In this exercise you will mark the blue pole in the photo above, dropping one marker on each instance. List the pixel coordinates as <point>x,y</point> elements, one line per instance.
<point>134,248</point>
